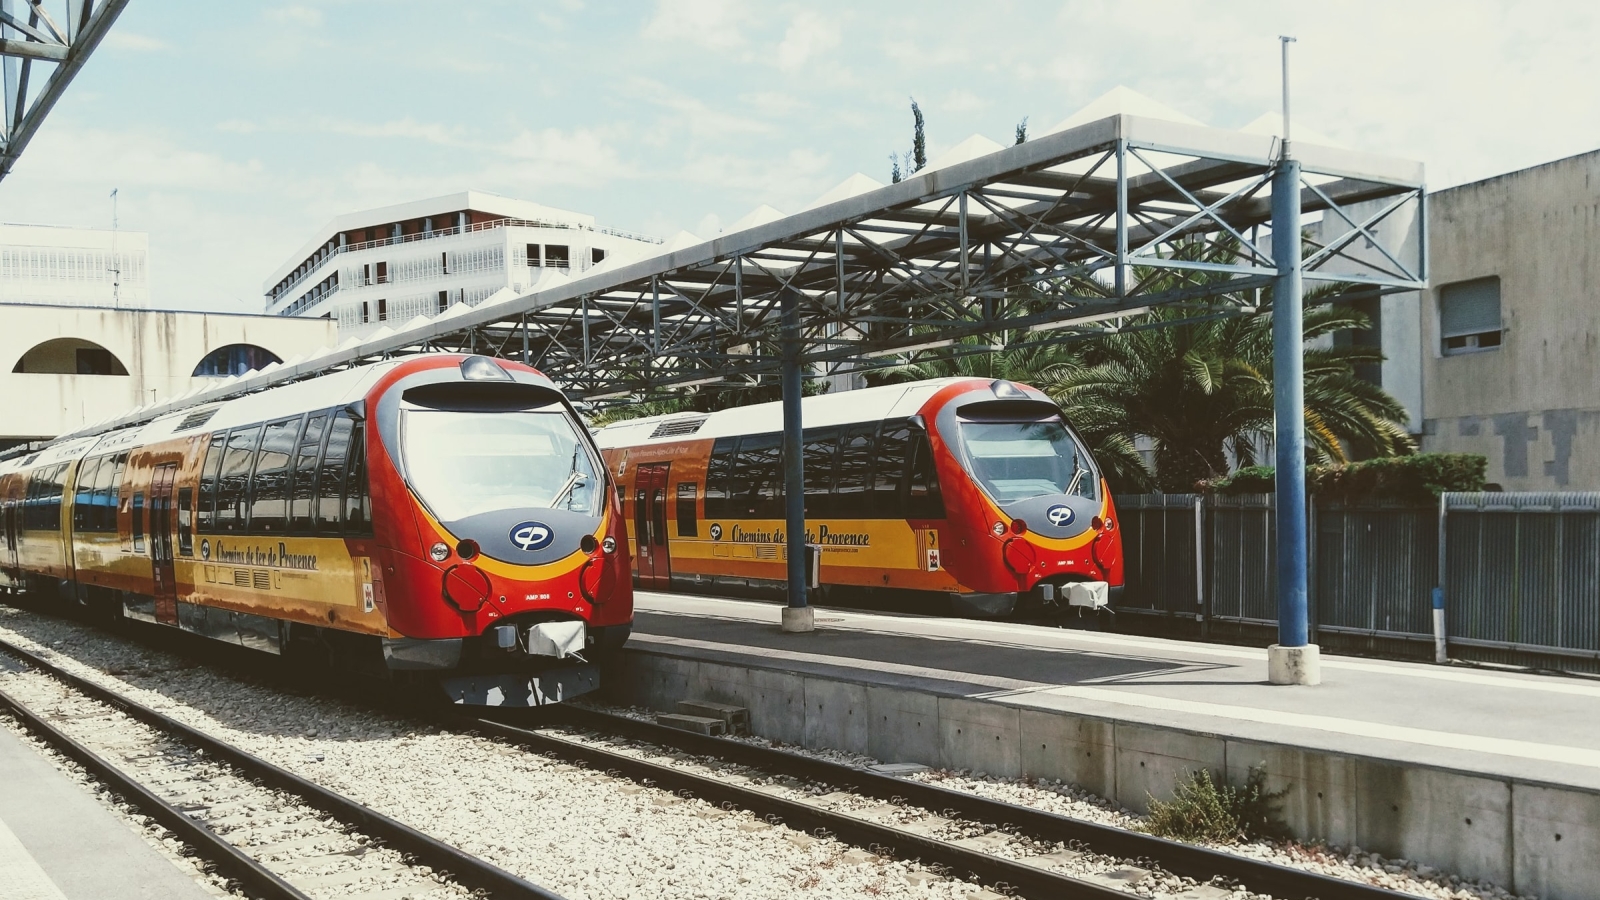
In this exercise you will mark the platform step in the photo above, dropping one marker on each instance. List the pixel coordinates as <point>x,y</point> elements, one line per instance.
<point>696,724</point>
<point>735,719</point>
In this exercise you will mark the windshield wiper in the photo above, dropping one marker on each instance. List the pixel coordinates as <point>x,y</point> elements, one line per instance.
<point>573,480</point>
<point>1077,477</point>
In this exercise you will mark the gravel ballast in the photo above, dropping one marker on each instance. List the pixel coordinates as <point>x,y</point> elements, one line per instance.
<point>579,833</point>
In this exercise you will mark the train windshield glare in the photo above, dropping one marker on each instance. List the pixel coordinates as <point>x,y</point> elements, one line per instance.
<point>465,463</point>
<point>1019,460</point>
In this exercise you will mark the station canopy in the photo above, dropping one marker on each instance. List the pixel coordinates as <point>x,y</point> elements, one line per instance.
<point>1124,206</point>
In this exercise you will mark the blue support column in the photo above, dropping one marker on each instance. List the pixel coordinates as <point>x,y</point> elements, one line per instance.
<point>1293,660</point>
<point>797,616</point>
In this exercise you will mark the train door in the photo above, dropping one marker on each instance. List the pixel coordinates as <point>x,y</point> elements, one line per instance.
<point>8,516</point>
<point>162,521</point>
<point>650,525</point>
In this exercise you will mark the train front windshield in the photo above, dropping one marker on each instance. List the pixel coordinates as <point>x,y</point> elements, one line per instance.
<point>465,463</point>
<point>1019,460</point>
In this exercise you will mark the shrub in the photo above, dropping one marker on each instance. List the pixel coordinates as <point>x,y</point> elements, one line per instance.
<point>1202,810</point>
<point>1418,478</point>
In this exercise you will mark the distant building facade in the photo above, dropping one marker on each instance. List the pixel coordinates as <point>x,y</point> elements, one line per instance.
<point>62,368</point>
<point>398,262</point>
<point>1510,328</point>
<point>55,266</point>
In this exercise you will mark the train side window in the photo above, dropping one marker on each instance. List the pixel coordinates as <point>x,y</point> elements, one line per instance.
<point>817,453</point>
<point>755,479</point>
<point>209,473</point>
<point>923,499</point>
<point>102,513</point>
<point>357,496</point>
<point>116,491</point>
<point>233,481</point>
<point>853,481</point>
<point>718,470</point>
<point>269,486</point>
<point>330,480</point>
<point>688,523</point>
<point>303,492</point>
<point>30,502</point>
<point>83,494</point>
<point>57,492</point>
<point>894,448</point>
<point>138,523</point>
<point>186,521</point>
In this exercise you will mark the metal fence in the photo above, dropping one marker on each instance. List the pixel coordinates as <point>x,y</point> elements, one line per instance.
<point>1519,574</point>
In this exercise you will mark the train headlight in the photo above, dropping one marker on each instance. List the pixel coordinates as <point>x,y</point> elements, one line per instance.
<point>999,529</point>
<point>440,551</point>
<point>609,545</point>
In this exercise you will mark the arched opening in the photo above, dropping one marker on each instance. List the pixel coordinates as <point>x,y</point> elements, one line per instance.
<point>234,359</point>
<point>70,356</point>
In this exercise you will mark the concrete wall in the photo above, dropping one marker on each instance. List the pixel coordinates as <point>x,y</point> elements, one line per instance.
<point>1531,838</point>
<point>159,350</point>
<point>1532,406</point>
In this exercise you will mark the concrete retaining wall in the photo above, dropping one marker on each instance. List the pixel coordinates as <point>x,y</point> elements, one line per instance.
<point>1531,838</point>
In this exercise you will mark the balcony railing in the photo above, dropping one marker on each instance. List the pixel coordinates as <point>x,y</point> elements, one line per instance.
<point>289,286</point>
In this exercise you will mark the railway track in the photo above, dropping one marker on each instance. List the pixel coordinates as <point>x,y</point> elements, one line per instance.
<point>277,835</point>
<point>1018,849</point>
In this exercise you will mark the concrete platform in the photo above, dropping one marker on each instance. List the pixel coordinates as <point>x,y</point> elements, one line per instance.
<point>58,843</point>
<point>1485,774</point>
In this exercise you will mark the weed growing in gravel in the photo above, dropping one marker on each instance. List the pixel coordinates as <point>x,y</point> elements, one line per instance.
<point>1202,810</point>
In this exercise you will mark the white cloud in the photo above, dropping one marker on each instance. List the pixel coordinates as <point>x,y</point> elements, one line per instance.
<point>128,40</point>
<point>809,34</point>
<point>715,24</point>
<point>295,14</point>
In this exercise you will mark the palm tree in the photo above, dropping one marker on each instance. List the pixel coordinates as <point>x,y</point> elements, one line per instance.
<point>1201,391</point>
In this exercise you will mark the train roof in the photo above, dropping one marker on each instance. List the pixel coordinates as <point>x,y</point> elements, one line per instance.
<point>322,392</point>
<point>819,411</point>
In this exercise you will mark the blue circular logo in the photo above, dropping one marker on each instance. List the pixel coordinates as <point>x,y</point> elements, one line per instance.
<point>1060,515</point>
<point>530,536</point>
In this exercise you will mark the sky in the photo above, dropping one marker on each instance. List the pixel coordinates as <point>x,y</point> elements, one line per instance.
<point>234,130</point>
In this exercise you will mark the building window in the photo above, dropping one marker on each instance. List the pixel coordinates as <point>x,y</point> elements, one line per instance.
<point>366,274</point>
<point>444,300</point>
<point>364,316</point>
<point>557,256</point>
<point>383,309</point>
<point>1469,316</point>
<point>383,273</point>
<point>597,256</point>
<point>533,256</point>
<point>444,262</point>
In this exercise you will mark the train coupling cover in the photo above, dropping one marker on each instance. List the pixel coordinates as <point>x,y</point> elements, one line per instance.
<point>1081,594</point>
<point>559,639</point>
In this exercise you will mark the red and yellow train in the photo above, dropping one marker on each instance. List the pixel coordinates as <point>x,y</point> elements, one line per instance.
<point>439,517</point>
<point>971,492</point>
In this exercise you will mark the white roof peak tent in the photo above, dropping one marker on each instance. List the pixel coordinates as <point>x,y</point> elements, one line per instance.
<point>1122,101</point>
<point>1271,123</point>
<point>918,265</point>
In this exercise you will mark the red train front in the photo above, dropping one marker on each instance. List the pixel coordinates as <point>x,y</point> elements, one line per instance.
<point>1031,517</point>
<point>502,544</point>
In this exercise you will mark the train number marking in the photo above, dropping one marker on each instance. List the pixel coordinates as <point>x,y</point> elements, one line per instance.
<point>1059,515</point>
<point>530,536</point>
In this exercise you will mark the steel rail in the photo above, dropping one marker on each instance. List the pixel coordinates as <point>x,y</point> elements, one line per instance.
<point>1189,860</point>
<point>230,860</point>
<point>1029,880</point>
<point>461,866</point>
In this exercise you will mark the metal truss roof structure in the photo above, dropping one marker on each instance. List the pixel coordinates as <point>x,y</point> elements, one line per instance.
<point>29,36</point>
<point>1083,216</point>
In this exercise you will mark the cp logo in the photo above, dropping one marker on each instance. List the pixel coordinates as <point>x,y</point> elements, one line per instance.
<point>1059,515</point>
<point>532,536</point>
<point>716,532</point>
